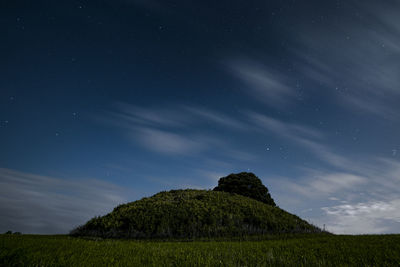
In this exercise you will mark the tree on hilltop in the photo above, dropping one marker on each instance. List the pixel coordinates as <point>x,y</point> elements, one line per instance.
<point>245,184</point>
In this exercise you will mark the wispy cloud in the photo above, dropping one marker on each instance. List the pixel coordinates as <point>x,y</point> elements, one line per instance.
<point>302,135</point>
<point>263,83</point>
<point>359,63</point>
<point>179,116</point>
<point>371,217</point>
<point>325,154</point>
<point>307,137</point>
<point>292,131</point>
<point>156,117</point>
<point>325,183</point>
<point>175,130</point>
<point>39,204</point>
<point>217,118</point>
<point>369,201</point>
<point>170,143</point>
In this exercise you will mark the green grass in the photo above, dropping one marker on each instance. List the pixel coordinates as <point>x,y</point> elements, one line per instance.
<point>193,214</point>
<point>305,250</point>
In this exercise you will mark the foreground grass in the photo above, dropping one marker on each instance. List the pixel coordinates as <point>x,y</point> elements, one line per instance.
<point>313,250</point>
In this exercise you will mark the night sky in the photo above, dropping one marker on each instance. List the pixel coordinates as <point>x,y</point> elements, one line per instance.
<point>105,102</point>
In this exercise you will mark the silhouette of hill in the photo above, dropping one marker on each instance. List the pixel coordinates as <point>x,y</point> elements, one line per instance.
<point>193,214</point>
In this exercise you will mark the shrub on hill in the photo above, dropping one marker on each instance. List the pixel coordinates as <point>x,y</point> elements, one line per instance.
<point>193,213</point>
<point>245,184</point>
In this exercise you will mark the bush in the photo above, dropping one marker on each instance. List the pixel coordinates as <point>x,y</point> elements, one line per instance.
<point>245,184</point>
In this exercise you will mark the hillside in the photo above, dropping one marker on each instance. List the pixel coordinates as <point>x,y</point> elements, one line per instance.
<point>194,213</point>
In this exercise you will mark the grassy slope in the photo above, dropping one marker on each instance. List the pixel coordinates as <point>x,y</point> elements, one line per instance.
<point>308,250</point>
<point>194,213</point>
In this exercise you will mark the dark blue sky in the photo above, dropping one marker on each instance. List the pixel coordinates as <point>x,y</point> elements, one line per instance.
<point>105,102</point>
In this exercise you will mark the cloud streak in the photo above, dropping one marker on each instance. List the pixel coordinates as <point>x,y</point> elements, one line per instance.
<point>292,131</point>
<point>263,83</point>
<point>174,131</point>
<point>170,143</point>
<point>217,118</point>
<point>39,204</point>
<point>361,63</point>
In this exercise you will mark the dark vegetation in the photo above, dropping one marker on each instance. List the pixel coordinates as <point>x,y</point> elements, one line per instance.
<point>303,250</point>
<point>239,206</point>
<point>245,184</point>
<point>11,233</point>
<point>193,214</point>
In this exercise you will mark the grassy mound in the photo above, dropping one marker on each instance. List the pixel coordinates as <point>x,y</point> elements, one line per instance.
<point>191,214</point>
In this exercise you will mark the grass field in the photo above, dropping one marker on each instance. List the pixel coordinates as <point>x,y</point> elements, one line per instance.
<point>312,250</point>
